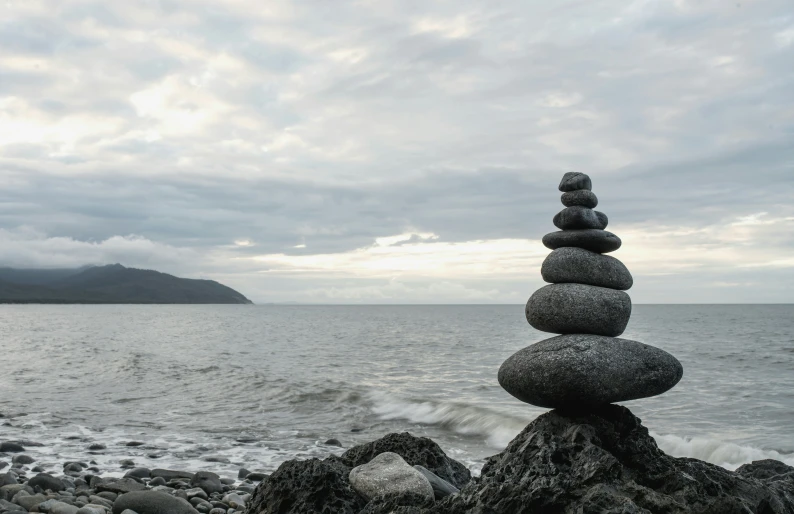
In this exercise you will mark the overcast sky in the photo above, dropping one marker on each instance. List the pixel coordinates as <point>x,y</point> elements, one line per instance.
<point>399,151</point>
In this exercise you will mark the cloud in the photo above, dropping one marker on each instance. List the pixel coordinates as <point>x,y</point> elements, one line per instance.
<point>311,133</point>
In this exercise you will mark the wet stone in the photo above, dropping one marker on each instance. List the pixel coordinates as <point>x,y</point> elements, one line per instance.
<point>574,180</point>
<point>582,372</point>
<point>581,197</point>
<point>599,241</point>
<point>579,309</point>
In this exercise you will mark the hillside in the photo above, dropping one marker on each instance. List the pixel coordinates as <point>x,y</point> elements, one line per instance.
<point>110,284</point>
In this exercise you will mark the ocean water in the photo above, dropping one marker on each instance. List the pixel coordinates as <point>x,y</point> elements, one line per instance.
<point>223,387</point>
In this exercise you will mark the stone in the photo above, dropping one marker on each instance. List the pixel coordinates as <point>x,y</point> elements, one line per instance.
<point>575,180</point>
<point>257,477</point>
<point>210,482</point>
<point>134,443</point>
<point>234,500</point>
<point>45,482</point>
<point>7,479</point>
<point>580,372</point>
<point>333,442</point>
<point>63,508</point>
<point>91,509</point>
<point>152,502</point>
<point>117,485</point>
<point>414,450</point>
<point>388,475</point>
<point>97,447</point>
<point>138,473</point>
<point>579,309</point>
<point>9,447</point>
<point>242,473</point>
<point>577,265</point>
<point>29,501</point>
<point>313,485</point>
<point>441,488</point>
<point>605,461</point>
<point>581,197</point>
<point>157,481</point>
<point>22,459</point>
<point>168,474</point>
<point>577,218</point>
<point>599,241</point>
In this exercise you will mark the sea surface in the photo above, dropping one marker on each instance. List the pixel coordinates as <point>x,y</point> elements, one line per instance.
<point>223,387</point>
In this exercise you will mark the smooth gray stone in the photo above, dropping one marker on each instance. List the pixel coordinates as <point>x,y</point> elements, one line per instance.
<point>9,447</point>
<point>389,475</point>
<point>581,197</point>
<point>152,502</point>
<point>168,474</point>
<point>573,180</point>
<point>602,218</point>
<point>580,266</point>
<point>599,241</point>
<point>210,482</point>
<point>441,488</point>
<point>7,479</point>
<point>91,509</point>
<point>577,218</point>
<point>579,309</point>
<point>138,473</point>
<point>29,501</point>
<point>63,508</point>
<point>22,459</point>
<point>581,372</point>
<point>118,485</point>
<point>45,481</point>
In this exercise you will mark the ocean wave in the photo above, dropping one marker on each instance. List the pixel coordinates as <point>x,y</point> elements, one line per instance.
<point>497,428</point>
<point>724,454</point>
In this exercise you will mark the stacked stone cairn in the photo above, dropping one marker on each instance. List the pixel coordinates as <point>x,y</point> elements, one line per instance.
<point>588,365</point>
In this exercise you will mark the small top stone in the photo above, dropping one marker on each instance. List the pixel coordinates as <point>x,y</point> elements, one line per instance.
<point>573,181</point>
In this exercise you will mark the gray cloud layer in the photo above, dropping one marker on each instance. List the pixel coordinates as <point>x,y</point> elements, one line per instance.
<point>174,129</point>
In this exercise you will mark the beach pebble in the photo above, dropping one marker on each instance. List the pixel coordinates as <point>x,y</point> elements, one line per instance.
<point>91,509</point>
<point>134,443</point>
<point>389,475</point>
<point>196,492</point>
<point>256,477</point>
<point>22,459</point>
<point>441,488</point>
<point>152,502</point>
<point>577,265</point>
<point>127,463</point>
<point>7,479</point>
<point>333,442</point>
<point>157,481</point>
<point>138,473</point>
<point>45,481</point>
<point>62,508</point>
<point>234,500</point>
<point>210,482</point>
<point>579,309</point>
<point>9,447</point>
<point>97,447</point>
<point>575,180</point>
<point>28,501</point>
<point>599,241</point>
<point>581,197</point>
<point>581,372</point>
<point>168,474</point>
<point>243,473</point>
<point>577,217</point>
<point>117,485</point>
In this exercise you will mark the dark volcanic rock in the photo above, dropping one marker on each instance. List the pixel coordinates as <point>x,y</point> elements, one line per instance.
<point>581,266</point>
<point>574,180</point>
<point>582,372</point>
<point>581,197</point>
<point>606,461</point>
<point>599,241</point>
<point>577,217</point>
<point>45,481</point>
<point>152,502</point>
<point>297,487</point>
<point>415,450</point>
<point>579,309</point>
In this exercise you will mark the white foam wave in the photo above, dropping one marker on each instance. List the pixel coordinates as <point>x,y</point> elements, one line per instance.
<point>498,429</point>
<point>725,454</point>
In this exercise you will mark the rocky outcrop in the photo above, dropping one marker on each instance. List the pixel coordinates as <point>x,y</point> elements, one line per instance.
<point>602,461</point>
<point>605,461</point>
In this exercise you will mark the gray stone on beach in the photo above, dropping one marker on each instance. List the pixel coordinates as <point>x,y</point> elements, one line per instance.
<point>168,474</point>
<point>118,485</point>
<point>210,482</point>
<point>10,447</point>
<point>574,180</point>
<point>389,475</point>
<point>152,502</point>
<point>581,197</point>
<point>441,488</point>
<point>599,241</point>
<point>45,481</point>
<point>22,459</point>
<point>138,473</point>
<point>577,218</point>
<point>579,309</point>
<point>581,372</point>
<point>580,266</point>
<point>61,508</point>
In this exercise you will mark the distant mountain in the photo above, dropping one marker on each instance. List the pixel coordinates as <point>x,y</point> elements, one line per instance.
<point>109,284</point>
